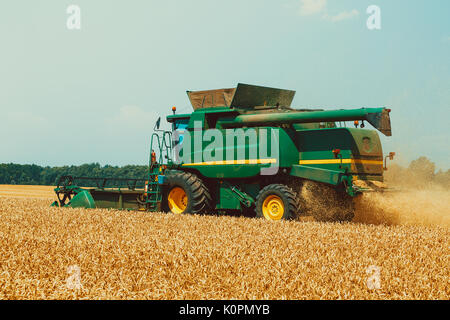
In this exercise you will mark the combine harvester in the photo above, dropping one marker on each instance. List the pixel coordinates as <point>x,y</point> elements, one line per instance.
<point>246,150</point>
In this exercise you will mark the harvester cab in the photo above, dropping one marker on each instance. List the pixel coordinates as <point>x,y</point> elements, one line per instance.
<point>245,149</point>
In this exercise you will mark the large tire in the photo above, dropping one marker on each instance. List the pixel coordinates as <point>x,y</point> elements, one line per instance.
<point>186,193</point>
<point>276,202</point>
<point>325,203</point>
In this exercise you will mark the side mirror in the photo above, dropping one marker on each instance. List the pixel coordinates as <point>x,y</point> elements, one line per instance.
<point>158,123</point>
<point>390,156</point>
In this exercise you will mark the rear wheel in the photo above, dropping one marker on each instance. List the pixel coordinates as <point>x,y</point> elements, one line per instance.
<point>276,202</point>
<point>186,193</point>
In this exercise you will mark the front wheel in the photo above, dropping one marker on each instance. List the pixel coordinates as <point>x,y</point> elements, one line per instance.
<point>276,202</point>
<point>186,193</point>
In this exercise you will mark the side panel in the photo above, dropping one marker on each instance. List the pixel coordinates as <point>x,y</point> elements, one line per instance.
<point>227,199</point>
<point>360,149</point>
<point>224,196</point>
<point>317,174</point>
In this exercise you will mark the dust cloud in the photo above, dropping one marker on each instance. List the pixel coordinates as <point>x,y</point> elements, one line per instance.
<point>430,206</point>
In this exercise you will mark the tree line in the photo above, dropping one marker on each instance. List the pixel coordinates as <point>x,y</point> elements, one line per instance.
<point>31,174</point>
<point>420,172</point>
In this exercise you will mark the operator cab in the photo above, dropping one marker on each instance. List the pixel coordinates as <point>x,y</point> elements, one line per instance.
<point>180,124</point>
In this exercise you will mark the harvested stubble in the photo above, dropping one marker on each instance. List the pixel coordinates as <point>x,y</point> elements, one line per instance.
<point>140,255</point>
<point>22,191</point>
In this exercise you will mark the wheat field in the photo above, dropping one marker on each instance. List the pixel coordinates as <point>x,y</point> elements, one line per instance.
<point>62,253</point>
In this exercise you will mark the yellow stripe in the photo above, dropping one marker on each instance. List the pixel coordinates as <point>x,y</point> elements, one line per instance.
<point>379,162</point>
<point>250,161</point>
<point>344,161</point>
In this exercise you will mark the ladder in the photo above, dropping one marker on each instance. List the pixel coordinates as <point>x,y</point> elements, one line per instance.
<point>158,162</point>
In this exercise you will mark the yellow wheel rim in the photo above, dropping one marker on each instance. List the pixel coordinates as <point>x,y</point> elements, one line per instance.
<point>177,200</point>
<point>273,208</point>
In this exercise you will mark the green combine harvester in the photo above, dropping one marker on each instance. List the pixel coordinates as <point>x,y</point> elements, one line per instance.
<point>244,150</point>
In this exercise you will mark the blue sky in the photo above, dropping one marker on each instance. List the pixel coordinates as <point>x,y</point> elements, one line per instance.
<point>92,95</point>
